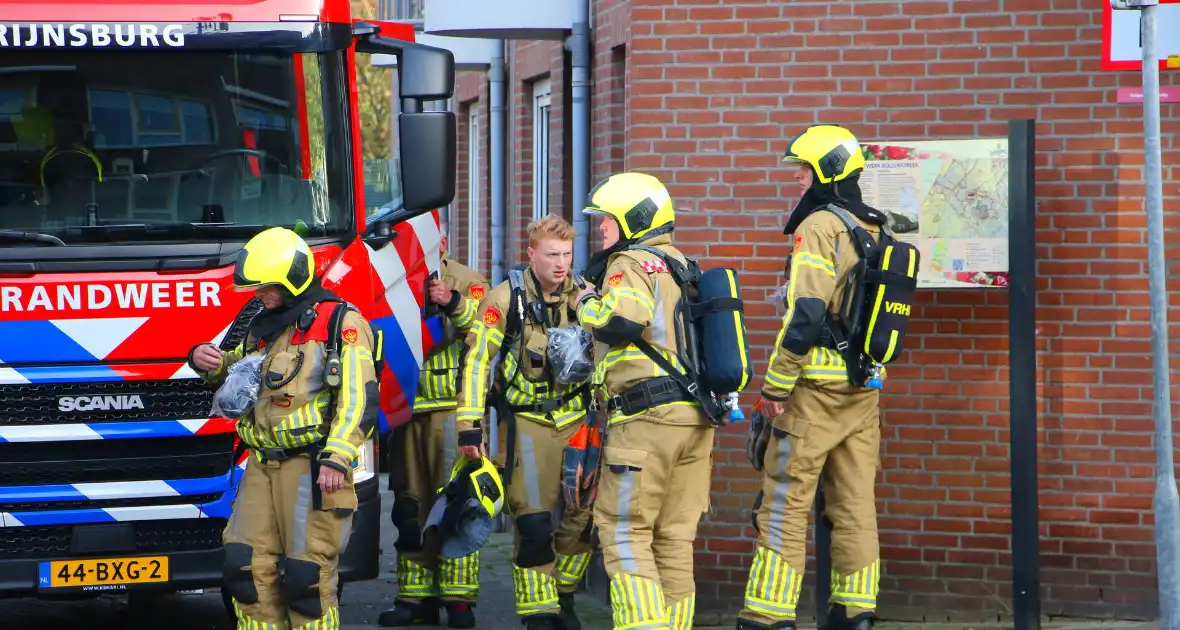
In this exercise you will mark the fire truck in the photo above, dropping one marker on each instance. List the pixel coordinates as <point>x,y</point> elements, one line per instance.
<point>136,159</point>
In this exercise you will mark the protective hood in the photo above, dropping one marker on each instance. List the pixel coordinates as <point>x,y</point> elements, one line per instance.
<point>269,325</point>
<point>844,193</point>
<point>460,523</point>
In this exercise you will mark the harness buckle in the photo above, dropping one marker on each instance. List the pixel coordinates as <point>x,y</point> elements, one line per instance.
<point>274,454</point>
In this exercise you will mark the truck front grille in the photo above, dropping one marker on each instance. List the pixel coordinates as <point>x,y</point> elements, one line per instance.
<point>99,461</point>
<point>38,404</point>
<point>56,541</point>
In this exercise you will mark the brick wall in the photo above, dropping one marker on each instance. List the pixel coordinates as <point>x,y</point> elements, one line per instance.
<point>716,90</point>
<point>704,93</point>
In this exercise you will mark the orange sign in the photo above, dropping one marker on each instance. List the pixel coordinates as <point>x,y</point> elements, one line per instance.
<point>491,316</point>
<point>615,279</point>
<point>349,335</point>
<point>476,292</point>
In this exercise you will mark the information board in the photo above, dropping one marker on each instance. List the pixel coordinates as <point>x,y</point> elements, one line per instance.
<point>950,199</point>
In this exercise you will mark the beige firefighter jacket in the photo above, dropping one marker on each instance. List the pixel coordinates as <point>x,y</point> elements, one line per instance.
<point>821,260</point>
<point>638,299</point>
<point>525,364</point>
<point>293,408</point>
<point>438,380</point>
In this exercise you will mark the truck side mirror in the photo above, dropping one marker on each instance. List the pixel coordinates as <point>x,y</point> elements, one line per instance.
<point>428,145</point>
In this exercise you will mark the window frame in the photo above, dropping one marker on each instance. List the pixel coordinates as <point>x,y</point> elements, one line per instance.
<point>542,142</point>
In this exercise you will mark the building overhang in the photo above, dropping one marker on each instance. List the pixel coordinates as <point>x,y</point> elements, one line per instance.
<point>470,53</point>
<point>502,19</point>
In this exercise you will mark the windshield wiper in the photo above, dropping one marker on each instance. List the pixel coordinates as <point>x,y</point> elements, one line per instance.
<point>31,237</point>
<point>172,230</point>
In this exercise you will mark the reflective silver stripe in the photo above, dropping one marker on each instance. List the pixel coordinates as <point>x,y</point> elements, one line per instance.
<point>659,328</point>
<point>775,535</point>
<point>528,467</point>
<point>450,441</point>
<point>623,526</point>
<point>299,520</point>
<point>345,533</point>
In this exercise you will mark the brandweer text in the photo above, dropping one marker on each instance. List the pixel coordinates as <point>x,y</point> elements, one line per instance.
<point>96,297</point>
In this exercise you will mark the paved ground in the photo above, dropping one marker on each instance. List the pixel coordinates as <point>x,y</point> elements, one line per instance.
<point>361,604</point>
<point>364,601</point>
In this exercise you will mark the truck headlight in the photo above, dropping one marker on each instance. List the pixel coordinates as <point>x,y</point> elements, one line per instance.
<point>365,466</point>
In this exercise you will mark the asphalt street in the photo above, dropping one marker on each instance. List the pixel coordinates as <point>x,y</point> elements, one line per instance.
<point>361,604</point>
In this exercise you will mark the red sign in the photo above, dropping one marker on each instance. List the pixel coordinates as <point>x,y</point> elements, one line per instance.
<point>1121,37</point>
<point>1135,95</point>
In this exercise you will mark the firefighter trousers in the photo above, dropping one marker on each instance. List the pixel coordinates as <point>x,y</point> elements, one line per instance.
<point>833,429</point>
<point>281,552</point>
<point>653,490</point>
<point>425,451</point>
<point>551,549</point>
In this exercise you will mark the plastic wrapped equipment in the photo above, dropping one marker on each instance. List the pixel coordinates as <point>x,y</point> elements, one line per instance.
<point>239,392</point>
<point>571,354</point>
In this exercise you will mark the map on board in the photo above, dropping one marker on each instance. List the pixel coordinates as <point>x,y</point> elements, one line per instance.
<point>950,199</point>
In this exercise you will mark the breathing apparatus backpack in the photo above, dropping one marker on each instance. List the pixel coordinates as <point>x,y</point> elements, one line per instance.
<point>711,331</point>
<point>878,299</point>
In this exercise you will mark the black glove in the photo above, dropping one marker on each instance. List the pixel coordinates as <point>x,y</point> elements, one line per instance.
<point>757,438</point>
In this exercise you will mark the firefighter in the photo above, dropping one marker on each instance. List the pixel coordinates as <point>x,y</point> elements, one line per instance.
<point>819,418</point>
<point>657,462</point>
<point>296,499</point>
<point>420,458</point>
<point>536,416</point>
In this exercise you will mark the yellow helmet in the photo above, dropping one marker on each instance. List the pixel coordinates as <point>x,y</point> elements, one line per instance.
<point>463,511</point>
<point>639,202</point>
<point>833,152</point>
<point>275,256</point>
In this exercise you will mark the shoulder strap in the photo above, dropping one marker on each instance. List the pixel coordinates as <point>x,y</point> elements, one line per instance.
<point>861,238</point>
<point>681,273</point>
<point>333,369</point>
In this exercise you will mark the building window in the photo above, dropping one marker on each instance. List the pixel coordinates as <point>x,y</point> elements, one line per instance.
<point>540,148</point>
<point>473,187</point>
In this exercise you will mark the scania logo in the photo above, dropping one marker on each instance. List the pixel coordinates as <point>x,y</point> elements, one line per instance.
<point>100,403</point>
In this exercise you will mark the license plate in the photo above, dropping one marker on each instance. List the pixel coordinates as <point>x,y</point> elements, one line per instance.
<point>103,572</point>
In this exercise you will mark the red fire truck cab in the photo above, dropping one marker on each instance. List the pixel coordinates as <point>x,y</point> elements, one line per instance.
<point>142,143</point>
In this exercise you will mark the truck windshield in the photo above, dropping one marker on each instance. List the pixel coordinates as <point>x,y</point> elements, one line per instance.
<point>145,144</point>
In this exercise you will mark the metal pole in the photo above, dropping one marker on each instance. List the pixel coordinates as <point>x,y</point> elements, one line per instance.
<point>1167,502</point>
<point>579,47</point>
<point>1022,375</point>
<point>498,155</point>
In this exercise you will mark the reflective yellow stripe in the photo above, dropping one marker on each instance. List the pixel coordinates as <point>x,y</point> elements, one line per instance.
<point>459,576</point>
<point>475,372</point>
<point>465,313</point>
<point>808,259</point>
<point>637,603</point>
<point>858,589</point>
<point>246,623</point>
<point>330,621</point>
<point>596,313</point>
<point>569,569</point>
<point>351,401</point>
<point>773,587</point>
<point>414,580</point>
<point>535,592</point>
<point>680,614</point>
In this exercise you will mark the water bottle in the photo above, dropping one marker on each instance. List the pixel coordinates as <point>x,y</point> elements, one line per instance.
<point>875,376</point>
<point>735,412</point>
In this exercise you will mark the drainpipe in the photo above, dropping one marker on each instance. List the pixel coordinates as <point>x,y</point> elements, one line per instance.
<point>498,155</point>
<point>579,46</point>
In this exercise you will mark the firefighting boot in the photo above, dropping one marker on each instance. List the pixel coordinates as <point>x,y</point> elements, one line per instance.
<point>568,616</point>
<point>409,615</point>
<point>838,619</point>
<point>460,615</point>
<point>544,621</point>
<point>746,624</point>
